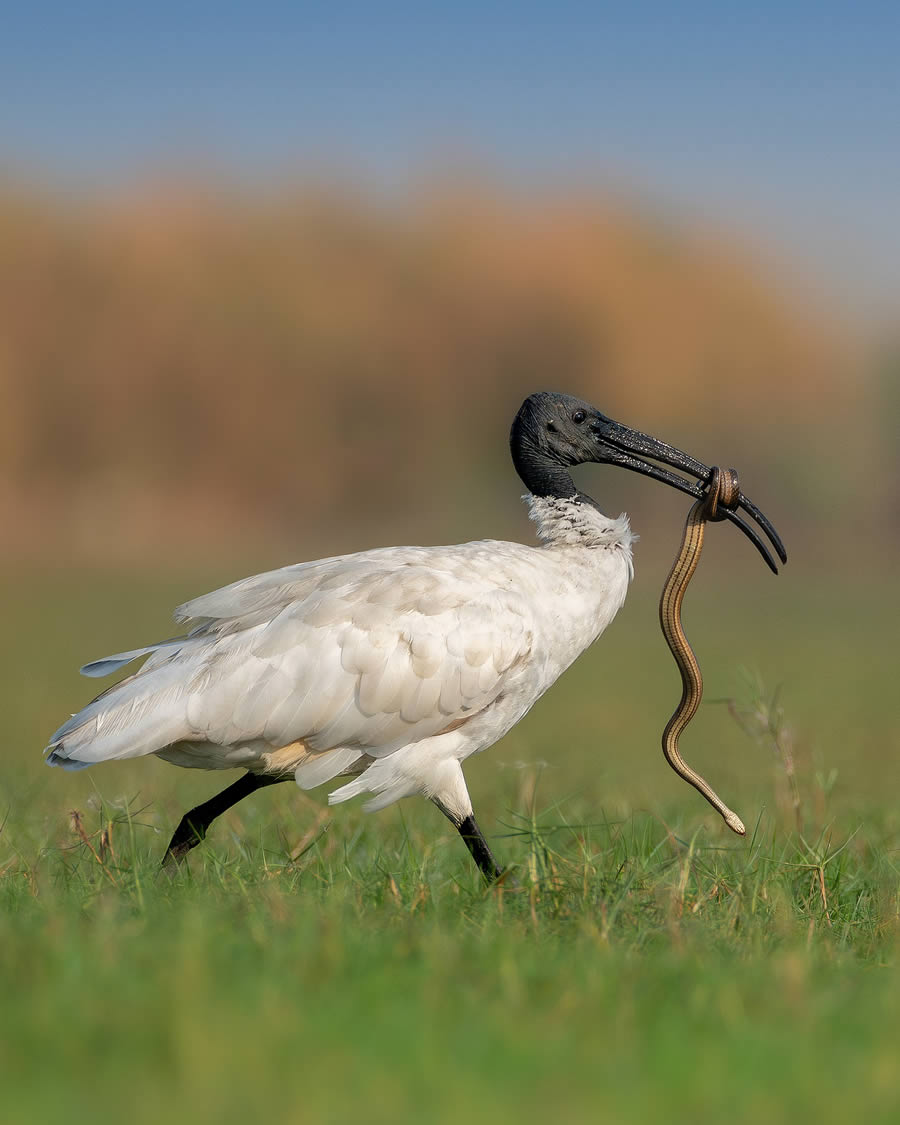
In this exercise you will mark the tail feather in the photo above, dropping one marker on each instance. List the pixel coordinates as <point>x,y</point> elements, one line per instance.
<point>54,759</point>
<point>140,715</point>
<point>118,660</point>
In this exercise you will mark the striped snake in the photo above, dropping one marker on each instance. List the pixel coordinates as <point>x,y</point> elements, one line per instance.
<point>724,493</point>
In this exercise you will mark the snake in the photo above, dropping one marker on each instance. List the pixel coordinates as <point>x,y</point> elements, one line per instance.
<point>723,493</point>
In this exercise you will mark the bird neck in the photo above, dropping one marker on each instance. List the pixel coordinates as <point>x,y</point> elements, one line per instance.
<point>563,516</point>
<point>577,521</point>
<point>541,474</point>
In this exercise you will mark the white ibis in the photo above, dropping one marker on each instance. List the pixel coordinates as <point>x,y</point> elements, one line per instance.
<point>389,667</point>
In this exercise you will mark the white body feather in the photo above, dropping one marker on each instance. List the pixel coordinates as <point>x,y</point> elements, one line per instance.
<point>394,664</point>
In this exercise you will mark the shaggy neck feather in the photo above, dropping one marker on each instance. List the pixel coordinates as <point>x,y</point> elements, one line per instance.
<point>578,522</point>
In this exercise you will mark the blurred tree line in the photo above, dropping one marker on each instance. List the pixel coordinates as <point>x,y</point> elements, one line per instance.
<point>197,371</point>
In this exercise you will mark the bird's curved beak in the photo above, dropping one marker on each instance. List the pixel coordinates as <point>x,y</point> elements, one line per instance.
<point>619,445</point>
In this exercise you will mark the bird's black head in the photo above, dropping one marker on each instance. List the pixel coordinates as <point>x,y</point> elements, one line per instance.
<point>552,432</point>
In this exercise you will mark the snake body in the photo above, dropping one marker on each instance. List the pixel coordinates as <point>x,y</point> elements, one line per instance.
<point>724,493</point>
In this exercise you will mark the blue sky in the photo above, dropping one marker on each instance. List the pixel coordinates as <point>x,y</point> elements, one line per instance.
<point>782,117</point>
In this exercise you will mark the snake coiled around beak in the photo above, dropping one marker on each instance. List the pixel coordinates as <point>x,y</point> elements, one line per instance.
<point>722,496</point>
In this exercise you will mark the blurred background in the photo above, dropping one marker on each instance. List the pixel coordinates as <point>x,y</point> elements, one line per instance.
<point>275,278</point>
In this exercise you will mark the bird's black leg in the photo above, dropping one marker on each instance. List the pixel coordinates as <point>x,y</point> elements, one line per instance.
<point>194,824</point>
<point>479,850</point>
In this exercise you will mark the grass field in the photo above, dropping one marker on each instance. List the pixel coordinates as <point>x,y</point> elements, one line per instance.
<point>639,960</point>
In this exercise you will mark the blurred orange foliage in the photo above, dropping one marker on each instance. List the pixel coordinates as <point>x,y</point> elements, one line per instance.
<point>194,368</point>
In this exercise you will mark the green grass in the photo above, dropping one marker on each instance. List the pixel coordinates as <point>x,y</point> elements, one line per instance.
<point>639,962</point>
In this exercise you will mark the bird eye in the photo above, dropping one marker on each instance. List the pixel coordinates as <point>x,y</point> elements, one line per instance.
<point>578,417</point>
